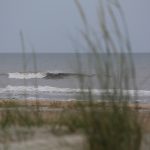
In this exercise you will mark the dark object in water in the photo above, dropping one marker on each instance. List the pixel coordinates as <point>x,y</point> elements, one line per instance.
<point>62,75</point>
<point>56,75</point>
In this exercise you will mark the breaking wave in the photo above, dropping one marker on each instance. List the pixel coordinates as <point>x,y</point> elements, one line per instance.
<point>41,75</point>
<point>18,75</point>
<point>49,89</point>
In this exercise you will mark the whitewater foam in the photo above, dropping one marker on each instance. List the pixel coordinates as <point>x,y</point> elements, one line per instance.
<point>49,89</point>
<point>18,75</point>
<point>46,75</point>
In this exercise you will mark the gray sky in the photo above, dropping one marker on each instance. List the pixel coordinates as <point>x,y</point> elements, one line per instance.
<point>47,24</point>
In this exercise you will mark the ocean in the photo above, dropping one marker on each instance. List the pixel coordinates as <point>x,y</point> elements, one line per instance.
<point>55,76</point>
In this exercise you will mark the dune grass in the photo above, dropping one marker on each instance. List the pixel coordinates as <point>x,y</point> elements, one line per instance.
<point>113,124</point>
<point>110,123</point>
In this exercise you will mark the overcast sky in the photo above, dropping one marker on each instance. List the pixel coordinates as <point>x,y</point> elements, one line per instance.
<point>47,24</point>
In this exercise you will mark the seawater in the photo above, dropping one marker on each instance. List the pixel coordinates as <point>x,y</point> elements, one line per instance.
<point>55,76</point>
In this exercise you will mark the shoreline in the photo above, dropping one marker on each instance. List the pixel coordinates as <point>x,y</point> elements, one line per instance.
<point>60,104</point>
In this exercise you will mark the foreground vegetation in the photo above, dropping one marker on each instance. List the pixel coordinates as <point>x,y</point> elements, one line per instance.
<point>96,122</point>
<point>109,124</point>
<point>113,125</point>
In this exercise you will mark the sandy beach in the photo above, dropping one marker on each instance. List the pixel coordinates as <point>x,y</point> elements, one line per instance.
<point>62,104</point>
<point>42,138</point>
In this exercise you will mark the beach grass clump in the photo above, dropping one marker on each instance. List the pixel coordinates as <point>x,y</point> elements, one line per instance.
<point>112,124</point>
<point>104,125</point>
<point>26,114</point>
<point>10,118</point>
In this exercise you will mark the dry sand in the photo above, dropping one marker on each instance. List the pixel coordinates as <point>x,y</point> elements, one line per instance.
<point>60,104</point>
<point>43,139</point>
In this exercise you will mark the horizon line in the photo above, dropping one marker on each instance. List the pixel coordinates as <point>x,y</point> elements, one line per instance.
<point>70,52</point>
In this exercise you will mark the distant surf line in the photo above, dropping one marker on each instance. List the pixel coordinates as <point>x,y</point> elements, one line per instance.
<point>57,90</point>
<point>43,75</point>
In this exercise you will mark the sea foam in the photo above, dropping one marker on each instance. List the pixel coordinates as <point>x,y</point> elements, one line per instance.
<point>18,75</point>
<point>46,75</point>
<point>57,90</point>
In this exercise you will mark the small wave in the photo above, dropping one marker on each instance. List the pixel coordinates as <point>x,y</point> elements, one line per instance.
<point>56,90</point>
<point>41,75</point>
<point>59,75</point>
<point>48,89</point>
